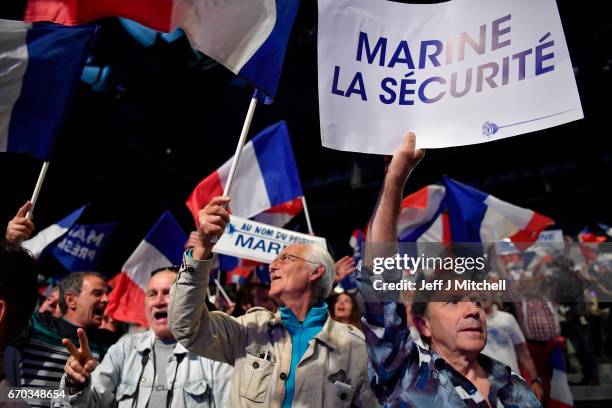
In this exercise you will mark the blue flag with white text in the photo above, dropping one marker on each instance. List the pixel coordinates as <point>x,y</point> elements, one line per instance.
<point>80,249</point>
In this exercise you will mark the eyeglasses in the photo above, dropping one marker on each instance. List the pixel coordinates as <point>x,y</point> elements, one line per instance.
<point>285,258</point>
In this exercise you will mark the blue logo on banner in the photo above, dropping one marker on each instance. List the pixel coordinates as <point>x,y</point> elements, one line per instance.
<point>81,247</point>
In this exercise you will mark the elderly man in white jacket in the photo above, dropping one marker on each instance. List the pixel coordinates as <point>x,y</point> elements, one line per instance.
<point>298,357</point>
<point>145,370</point>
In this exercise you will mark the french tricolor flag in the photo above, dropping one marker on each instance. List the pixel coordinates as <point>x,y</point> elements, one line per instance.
<point>476,216</point>
<point>560,393</point>
<point>266,176</point>
<point>422,217</point>
<point>163,246</point>
<point>39,70</point>
<point>249,37</point>
<point>456,212</point>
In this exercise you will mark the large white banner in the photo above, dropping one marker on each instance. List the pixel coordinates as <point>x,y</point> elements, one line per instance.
<point>455,73</point>
<point>259,242</point>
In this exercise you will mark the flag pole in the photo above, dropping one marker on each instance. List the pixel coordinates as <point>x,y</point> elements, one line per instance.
<point>245,131</point>
<point>307,214</point>
<point>38,187</point>
<point>223,292</point>
<point>210,296</point>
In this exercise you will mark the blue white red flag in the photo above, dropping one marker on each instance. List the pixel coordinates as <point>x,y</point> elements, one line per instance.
<point>587,235</point>
<point>162,246</point>
<point>249,37</point>
<point>422,216</point>
<point>37,244</point>
<point>40,65</point>
<point>476,216</point>
<point>266,176</point>
<point>456,212</point>
<point>560,393</point>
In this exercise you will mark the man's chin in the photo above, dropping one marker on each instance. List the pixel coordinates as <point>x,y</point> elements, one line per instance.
<point>162,331</point>
<point>274,292</point>
<point>474,346</point>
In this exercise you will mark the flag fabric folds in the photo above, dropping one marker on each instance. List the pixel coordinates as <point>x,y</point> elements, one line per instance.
<point>280,215</point>
<point>560,393</point>
<point>40,65</point>
<point>266,176</point>
<point>456,212</point>
<point>587,235</point>
<point>162,246</point>
<point>155,14</point>
<point>249,37</point>
<point>37,244</point>
<point>422,217</point>
<point>476,216</point>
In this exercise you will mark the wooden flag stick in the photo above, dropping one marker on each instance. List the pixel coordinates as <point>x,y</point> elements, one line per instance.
<point>38,187</point>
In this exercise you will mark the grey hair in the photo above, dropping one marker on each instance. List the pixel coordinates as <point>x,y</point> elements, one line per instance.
<point>319,255</point>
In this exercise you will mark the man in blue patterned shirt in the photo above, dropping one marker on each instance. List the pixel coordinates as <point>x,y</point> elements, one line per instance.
<point>447,369</point>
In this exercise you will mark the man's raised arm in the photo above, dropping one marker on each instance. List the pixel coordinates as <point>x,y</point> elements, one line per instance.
<point>384,324</point>
<point>215,335</point>
<point>383,225</point>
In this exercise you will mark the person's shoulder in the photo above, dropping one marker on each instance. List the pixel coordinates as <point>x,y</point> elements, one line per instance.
<point>507,318</point>
<point>259,313</point>
<point>505,315</point>
<point>348,331</point>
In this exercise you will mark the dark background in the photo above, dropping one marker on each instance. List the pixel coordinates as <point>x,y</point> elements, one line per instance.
<point>166,117</point>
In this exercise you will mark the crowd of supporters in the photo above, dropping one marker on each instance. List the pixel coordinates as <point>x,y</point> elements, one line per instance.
<point>300,340</point>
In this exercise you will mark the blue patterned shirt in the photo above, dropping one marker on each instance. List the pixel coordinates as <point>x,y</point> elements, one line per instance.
<point>403,374</point>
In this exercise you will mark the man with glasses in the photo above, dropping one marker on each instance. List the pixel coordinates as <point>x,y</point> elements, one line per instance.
<point>298,357</point>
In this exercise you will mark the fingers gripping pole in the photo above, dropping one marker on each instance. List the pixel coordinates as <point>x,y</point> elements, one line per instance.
<point>307,215</point>
<point>38,187</point>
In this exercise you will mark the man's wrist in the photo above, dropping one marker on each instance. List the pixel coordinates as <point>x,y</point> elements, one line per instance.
<point>75,387</point>
<point>201,252</point>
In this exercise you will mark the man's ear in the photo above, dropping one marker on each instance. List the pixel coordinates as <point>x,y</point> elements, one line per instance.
<point>317,273</point>
<point>71,300</point>
<point>422,325</point>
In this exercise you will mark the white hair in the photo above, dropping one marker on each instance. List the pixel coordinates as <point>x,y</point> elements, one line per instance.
<point>319,255</point>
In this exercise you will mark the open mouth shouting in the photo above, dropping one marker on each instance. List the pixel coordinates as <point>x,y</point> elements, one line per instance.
<point>161,316</point>
<point>98,311</point>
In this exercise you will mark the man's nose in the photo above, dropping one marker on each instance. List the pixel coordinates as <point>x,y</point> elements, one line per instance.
<point>472,309</point>
<point>104,298</point>
<point>161,300</point>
